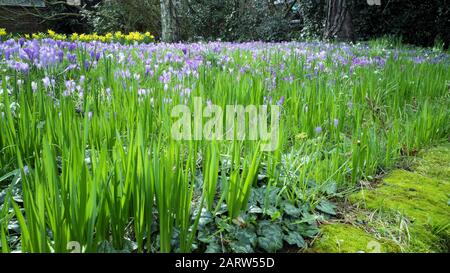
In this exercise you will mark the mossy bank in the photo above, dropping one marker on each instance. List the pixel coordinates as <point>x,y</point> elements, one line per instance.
<point>409,211</point>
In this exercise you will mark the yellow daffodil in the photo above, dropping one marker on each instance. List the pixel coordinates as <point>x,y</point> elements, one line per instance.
<point>131,37</point>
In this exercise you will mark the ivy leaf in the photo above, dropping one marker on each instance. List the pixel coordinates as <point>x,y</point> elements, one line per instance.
<point>269,244</point>
<point>205,218</point>
<point>327,207</point>
<point>246,239</point>
<point>239,247</point>
<point>246,236</point>
<point>274,213</point>
<point>14,226</point>
<point>291,210</point>
<point>204,237</point>
<point>129,246</point>
<point>330,188</point>
<point>308,230</point>
<point>271,236</point>
<point>105,247</point>
<point>222,223</point>
<point>213,247</point>
<point>294,238</point>
<point>255,210</point>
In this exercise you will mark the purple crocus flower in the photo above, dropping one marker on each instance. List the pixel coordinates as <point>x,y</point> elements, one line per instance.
<point>60,55</point>
<point>318,130</point>
<point>34,86</point>
<point>24,68</point>
<point>142,92</point>
<point>72,46</point>
<point>21,42</point>
<point>148,70</point>
<point>46,82</point>
<point>23,55</point>
<point>7,53</point>
<point>31,52</point>
<point>72,57</point>
<point>165,77</point>
<point>281,101</point>
<point>108,93</point>
<point>336,122</point>
<point>70,87</point>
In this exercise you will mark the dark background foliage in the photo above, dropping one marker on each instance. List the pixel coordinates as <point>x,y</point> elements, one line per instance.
<point>122,15</point>
<point>420,22</point>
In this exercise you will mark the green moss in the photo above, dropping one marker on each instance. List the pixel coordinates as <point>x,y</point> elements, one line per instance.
<point>421,196</point>
<point>435,163</point>
<point>342,238</point>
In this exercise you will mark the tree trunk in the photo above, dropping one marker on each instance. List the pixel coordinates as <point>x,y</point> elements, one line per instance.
<point>169,23</point>
<point>339,21</point>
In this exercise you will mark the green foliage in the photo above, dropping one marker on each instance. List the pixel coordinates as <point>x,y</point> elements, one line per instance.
<point>416,22</point>
<point>265,226</point>
<point>101,168</point>
<point>422,23</point>
<point>126,16</point>
<point>314,14</point>
<point>238,20</point>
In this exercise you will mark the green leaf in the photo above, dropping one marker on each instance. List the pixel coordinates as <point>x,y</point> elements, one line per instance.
<point>270,236</point>
<point>205,237</point>
<point>330,188</point>
<point>213,247</point>
<point>308,230</point>
<point>294,238</point>
<point>105,247</point>
<point>327,207</point>
<point>291,210</point>
<point>273,212</point>
<point>8,175</point>
<point>269,245</point>
<point>23,225</point>
<point>205,218</point>
<point>240,247</point>
<point>246,236</point>
<point>255,210</point>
